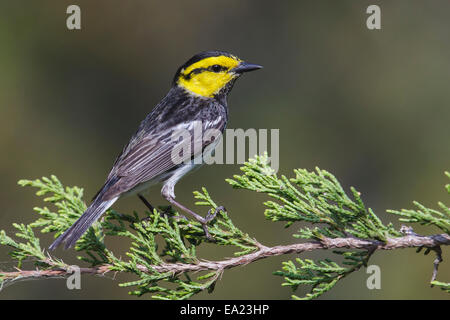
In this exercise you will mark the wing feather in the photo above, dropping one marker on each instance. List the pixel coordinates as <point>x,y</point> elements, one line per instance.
<point>154,154</point>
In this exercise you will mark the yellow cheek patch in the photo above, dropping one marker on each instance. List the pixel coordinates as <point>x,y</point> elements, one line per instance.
<point>207,83</point>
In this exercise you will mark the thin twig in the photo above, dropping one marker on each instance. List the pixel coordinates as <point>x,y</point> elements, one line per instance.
<point>436,262</point>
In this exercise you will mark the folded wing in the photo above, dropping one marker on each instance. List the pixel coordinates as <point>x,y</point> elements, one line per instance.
<point>154,154</point>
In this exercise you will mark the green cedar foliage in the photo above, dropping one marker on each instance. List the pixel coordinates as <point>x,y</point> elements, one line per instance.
<point>315,200</point>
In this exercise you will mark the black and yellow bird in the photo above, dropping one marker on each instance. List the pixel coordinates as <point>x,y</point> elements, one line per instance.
<point>198,96</point>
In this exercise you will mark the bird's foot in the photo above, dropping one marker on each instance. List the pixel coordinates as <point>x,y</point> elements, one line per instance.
<point>209,217</point>
<point>202,220</point>
<point>212,214</point>
<point>169,213</point>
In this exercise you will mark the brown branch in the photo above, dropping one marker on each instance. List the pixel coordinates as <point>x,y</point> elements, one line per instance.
<point>409,241</point>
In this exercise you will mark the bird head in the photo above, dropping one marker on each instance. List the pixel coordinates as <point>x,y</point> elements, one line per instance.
<point>211,73</point>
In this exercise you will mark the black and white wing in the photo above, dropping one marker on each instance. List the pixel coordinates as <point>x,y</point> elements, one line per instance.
<point>156,154</point>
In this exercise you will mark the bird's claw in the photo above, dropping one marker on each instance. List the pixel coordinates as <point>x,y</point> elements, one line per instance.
<point>168,213</point>
<point>209,217</point>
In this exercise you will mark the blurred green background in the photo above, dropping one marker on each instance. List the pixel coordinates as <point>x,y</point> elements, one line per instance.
<point>372,107</point>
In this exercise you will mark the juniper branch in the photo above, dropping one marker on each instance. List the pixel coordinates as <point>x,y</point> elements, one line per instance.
<point>340,223</point>
<point>409,241</point>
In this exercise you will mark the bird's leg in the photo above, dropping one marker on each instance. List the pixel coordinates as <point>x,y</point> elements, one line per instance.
<point>151,208</point>
<point>147,204</point>
<point>204,221</point>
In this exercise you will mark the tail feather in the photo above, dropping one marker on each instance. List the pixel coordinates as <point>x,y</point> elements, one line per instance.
<point>71,235</point>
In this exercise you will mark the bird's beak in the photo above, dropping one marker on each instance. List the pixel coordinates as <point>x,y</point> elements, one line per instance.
<point>245,67</point>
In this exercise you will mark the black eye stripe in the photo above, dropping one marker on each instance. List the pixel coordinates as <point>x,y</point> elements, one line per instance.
<point>217,68</point>
<point>214,68</point>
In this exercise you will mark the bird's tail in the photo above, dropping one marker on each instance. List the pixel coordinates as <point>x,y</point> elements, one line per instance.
<point>95,210</point>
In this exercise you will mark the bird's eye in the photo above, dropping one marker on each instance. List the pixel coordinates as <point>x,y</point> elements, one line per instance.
<point>216,68</point>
